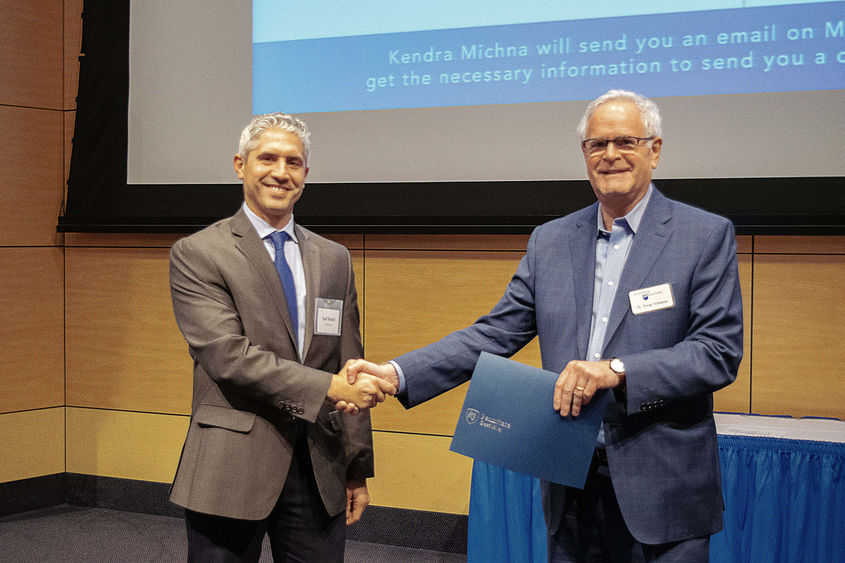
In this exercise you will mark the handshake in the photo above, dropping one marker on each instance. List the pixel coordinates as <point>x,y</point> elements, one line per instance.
<point>362,385</point>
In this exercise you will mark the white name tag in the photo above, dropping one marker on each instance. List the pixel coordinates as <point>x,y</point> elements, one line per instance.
<point>650,299</point>
<point>328,314</point>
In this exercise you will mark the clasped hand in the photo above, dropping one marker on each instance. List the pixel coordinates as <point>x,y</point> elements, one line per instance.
<point>364,391</point>
<point>579,381</point>
<point>356,370</point>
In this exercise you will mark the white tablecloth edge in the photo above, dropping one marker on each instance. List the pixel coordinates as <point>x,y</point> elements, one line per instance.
<point>823,430</point>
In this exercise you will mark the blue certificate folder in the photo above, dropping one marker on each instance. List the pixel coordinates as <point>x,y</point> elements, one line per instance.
<point>508,420</point>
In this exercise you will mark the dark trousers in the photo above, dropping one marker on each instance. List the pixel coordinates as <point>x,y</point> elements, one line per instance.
<point>299,528</point>
<point>592,529</point>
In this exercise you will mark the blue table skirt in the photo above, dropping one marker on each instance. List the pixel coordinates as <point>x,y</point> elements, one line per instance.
<point>784,502</point>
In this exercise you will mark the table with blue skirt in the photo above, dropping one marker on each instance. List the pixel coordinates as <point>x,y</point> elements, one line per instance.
<point>783,481</point>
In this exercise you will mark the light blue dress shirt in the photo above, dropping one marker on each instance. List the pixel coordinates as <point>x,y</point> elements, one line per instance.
<point>612,249</point>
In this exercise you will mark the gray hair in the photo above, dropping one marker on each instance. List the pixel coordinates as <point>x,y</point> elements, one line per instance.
<point>648,110</point>
<point>261,123</point>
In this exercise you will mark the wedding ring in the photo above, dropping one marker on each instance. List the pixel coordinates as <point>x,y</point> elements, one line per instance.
<point>579,387</point>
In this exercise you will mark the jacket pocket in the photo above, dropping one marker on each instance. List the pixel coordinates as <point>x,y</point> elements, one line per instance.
<point>224,417</point>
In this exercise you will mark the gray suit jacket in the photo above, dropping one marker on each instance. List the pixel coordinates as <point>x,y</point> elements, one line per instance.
<point>252,397</point>
<point>660,433</point>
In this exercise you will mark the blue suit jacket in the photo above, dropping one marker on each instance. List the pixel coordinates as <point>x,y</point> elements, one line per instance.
<point>660,433</point>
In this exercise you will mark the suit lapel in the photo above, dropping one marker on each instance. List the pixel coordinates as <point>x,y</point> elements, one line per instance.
<point>311,265</point>
<point>653,234</point>
<point>253,248</point>
<point>582,248</point>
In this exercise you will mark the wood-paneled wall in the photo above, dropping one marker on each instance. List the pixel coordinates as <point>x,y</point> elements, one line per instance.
<point>95,377</point>
<point>127,366</point>
<point>40,43</point>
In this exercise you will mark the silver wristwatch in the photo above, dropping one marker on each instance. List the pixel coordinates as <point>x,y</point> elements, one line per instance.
<point>618,367</point>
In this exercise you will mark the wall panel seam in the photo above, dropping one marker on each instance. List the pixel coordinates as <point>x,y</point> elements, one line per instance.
<point>434,249</point>
<point>799,253</point>
<point>750,332</point>
<point>37,108</point>
<point>33,246</point>
<point>106,409</point>
<point>117,247</point>
<point>406,433</point>
<point>21,411</point>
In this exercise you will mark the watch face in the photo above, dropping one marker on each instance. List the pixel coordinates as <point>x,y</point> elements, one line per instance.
<point>617,365</point>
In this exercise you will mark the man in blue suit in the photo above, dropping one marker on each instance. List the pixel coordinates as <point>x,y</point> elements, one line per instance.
<point>637,294</point>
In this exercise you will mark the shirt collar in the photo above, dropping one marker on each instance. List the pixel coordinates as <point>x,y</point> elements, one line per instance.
<point>263,229</point>
<point>633,217</point>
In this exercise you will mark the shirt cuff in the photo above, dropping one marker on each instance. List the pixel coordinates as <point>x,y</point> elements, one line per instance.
<point>401,376</point>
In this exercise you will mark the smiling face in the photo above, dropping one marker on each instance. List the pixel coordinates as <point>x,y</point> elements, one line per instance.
<point>274,175</point>
<point>620,179</point>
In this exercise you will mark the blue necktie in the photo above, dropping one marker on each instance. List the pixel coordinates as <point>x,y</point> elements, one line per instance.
<point>278,238</point>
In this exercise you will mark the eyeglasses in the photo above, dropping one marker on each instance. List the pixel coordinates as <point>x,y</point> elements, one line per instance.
<point>625,143</point>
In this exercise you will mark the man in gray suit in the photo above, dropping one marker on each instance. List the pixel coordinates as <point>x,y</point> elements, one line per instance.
<point>270,314</point>
<point>638,296</point>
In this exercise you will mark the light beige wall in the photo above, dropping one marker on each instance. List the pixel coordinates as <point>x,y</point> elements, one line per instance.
<point>40,42</point>
<point>798,337</point>
<point>127,367</point>
<point>95,378</point>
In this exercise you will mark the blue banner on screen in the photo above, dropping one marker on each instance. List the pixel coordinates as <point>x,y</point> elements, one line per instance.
<point>762,49</point>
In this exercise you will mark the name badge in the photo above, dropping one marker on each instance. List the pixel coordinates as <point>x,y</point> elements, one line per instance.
<point>650,299</point>
<point>328,313</point>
